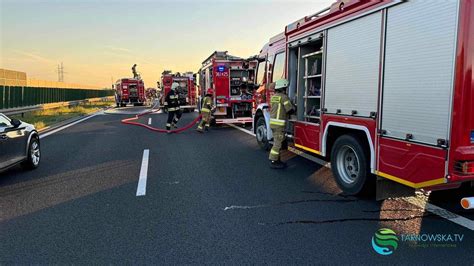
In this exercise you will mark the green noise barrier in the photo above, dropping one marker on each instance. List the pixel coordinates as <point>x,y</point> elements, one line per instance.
<point>18,96</point>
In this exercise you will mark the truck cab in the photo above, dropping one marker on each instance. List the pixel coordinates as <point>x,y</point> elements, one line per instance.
<point>271,67</point>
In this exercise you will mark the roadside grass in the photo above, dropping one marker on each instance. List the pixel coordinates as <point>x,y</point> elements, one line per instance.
<point>45,118</point>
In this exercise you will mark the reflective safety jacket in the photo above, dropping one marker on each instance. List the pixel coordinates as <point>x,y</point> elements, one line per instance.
<point>280,107</point>
<point>207,104</point>
<point>171,101</point>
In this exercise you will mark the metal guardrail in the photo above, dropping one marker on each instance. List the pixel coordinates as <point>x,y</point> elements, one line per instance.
<point>22,110</point>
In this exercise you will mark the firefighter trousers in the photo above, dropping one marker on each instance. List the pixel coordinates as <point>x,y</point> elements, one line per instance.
<point>173,118</point>
<point>205,121</point>
<point>278,138</point>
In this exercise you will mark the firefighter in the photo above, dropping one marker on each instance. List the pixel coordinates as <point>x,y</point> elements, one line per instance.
<point>134,71</point>
<point>172,104</point>
<point>207,107</point>
<point>281,108</point>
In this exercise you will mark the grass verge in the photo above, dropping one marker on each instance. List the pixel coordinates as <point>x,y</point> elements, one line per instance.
<point>46,118</point>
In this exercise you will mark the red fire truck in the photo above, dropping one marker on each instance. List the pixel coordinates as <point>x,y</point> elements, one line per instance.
<point>382,89</point>
<point>186,90</point>
<point>129,90</point>
<point>232,79</point>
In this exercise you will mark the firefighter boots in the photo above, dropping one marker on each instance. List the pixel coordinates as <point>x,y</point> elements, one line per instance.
<point>277,164</point>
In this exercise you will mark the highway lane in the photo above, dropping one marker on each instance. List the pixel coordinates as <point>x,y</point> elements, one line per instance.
<point>209,198</point>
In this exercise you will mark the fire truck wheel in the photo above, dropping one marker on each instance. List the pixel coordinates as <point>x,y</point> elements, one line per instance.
<point>261,134</point>
<point>350,165</point>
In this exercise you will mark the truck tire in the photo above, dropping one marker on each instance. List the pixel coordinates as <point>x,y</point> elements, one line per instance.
<point>33,157</point>
<point>261,134</point>
<point>350,166</point>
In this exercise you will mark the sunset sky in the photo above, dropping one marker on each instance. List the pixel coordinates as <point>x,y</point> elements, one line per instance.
<point>101,40</point>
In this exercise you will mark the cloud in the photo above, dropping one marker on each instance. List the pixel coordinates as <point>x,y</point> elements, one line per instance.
<point>117,49</point>
<point>35,57</point>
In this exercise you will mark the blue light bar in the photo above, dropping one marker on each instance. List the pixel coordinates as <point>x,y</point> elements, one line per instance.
<point>221,68</point>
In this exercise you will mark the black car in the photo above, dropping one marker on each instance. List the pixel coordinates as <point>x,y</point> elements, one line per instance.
<point>19,143</point>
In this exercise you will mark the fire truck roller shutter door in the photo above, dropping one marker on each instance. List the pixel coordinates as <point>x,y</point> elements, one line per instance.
<point>352,66</point>
<point>419,70</point>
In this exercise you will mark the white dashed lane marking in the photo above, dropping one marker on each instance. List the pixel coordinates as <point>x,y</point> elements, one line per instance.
<point>141,188</point>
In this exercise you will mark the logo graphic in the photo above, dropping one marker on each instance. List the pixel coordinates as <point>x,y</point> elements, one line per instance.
<point>385,241</point>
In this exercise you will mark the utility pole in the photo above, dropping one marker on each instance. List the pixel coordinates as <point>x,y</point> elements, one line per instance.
<point>61,72</point>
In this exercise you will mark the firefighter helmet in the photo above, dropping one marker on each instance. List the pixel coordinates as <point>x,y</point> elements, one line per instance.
<point>210,91</point>
<point>174,86</point>
<point>281,84</point>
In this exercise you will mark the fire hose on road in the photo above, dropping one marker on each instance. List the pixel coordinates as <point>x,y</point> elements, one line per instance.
<point>131,121</point>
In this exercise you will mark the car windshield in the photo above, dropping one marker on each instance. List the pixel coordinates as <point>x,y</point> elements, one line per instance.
<point>4,122</point>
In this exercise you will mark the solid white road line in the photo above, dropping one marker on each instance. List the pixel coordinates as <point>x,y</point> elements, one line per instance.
<point>458,219</point>
<point>141,189</point>
<point>68,125</point>
<point>242,129</point>
<point>149,121</point>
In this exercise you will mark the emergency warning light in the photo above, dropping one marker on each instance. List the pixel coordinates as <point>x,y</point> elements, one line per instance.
<point>220,68</point>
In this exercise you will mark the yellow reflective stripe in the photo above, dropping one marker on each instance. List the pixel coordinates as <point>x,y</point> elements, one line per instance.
<point>274,152</point>
<point>287,102</point>
<point>275,99</point>
<point>412,184</point>
<point>308,149</point>
<point>205,110</point>
<point>172,109</point>
<point>168,125</point>
<point>278,112</point>
<point>277,122</point>
<point>166,103</point>
<point>173,96</point>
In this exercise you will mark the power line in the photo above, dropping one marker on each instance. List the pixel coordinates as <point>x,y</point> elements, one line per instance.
<point>61,72</point>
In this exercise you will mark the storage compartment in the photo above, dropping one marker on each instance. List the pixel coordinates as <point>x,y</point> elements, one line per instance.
<point>239,83</point>
<point>133,91</point>
<point>307,136</point>
<point>419,71</point>
<point>309,87</point>
<point>352,67</point>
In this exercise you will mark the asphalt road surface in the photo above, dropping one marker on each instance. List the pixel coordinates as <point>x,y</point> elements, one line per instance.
<point>208,199</point>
